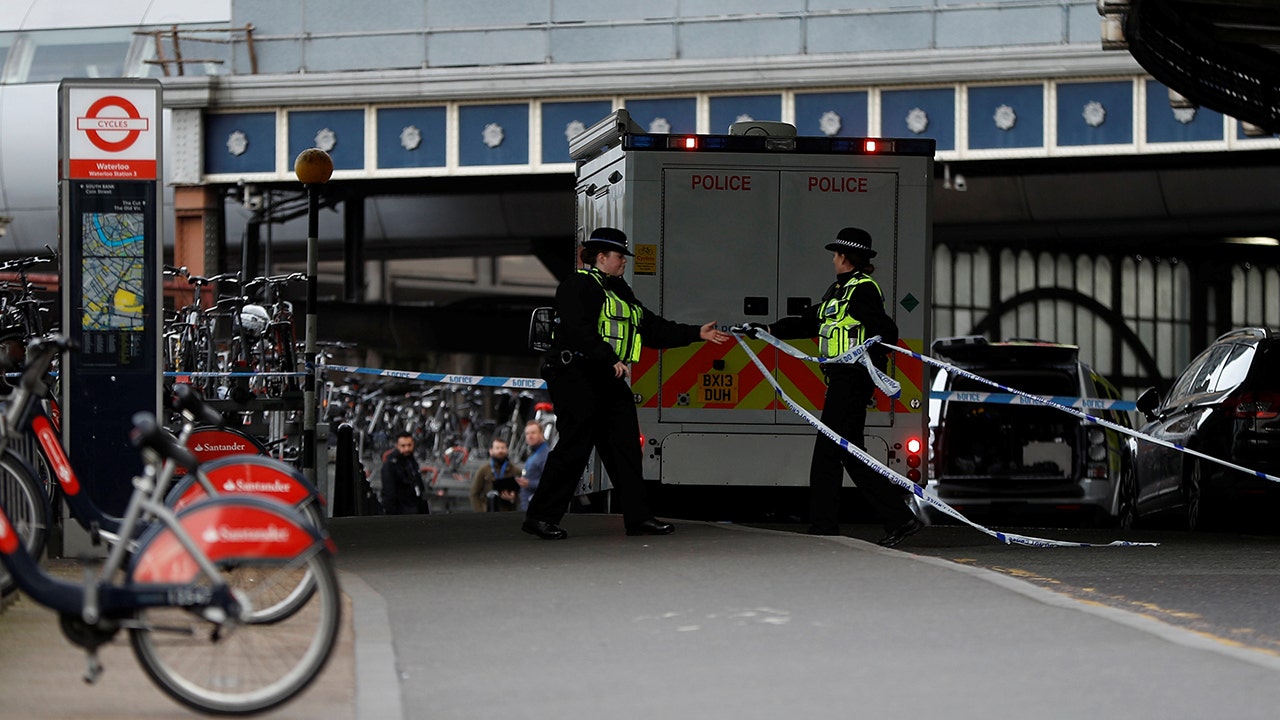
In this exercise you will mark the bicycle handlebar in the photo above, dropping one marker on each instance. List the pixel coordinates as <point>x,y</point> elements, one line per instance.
<point>24,262</point>
<point>188,402</point>
<point>147,433</point>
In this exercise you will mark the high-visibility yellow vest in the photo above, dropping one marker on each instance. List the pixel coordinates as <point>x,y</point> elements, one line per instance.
<point>838,332</point>
<point>619,321</point>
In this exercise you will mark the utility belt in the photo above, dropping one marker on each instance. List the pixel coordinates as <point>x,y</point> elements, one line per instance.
<point>565,358</point>
<point>556,360</point>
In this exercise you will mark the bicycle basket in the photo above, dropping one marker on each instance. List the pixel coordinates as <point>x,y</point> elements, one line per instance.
<point>541,326</point>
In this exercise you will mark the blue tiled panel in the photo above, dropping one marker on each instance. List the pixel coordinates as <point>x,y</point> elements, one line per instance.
<point>348,125</point>
<point>392,125</point>
<point>680,113</point>
<point>850,119</point>
<point>1025,102</point>
<point>556,119</point>
<point>938,104</point>
<point>1163,125</point>
<point>259,154</point>
<point>473,120</point>
<point>726,110</point>
<point>1116,99</point>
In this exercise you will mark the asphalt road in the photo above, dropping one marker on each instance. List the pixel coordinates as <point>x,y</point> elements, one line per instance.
<point>481,621</point>
<point>1221,584</point>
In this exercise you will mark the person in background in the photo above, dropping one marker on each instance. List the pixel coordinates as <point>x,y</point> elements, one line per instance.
<point>534,464</point>
<point>850,312</point>
<point>602,326</point>
<point>493,485</point>
<point>402,485</point>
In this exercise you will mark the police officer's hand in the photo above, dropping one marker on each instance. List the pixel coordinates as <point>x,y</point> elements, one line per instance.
<point>620,369</point>
<point>710,333</point>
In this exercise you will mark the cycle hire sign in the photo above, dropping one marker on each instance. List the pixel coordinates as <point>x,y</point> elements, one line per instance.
<point>109,172</point>
<point>112,133</point>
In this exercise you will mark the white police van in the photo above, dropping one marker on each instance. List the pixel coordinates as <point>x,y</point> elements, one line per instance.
<point>732,228</point>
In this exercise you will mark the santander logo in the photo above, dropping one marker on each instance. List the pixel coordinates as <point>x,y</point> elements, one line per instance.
<point>224,447</point>
<point>226,533</point>
<point>272,487</point>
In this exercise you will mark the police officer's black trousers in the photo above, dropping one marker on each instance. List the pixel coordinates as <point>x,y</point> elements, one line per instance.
<point>845,412</point>
<point>593,409</point>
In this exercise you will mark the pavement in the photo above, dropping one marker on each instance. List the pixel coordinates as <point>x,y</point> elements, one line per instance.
<point>463,616</point>
<point>41,674</point>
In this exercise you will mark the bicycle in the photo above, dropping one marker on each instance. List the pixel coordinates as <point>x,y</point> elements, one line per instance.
<point>22,314</point>
<point>267,335</point>
<point>189,345</point>
<point>239,475</point>
<point>188,593</point>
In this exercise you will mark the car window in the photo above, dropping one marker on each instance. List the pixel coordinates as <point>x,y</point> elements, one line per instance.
<point>1234,368</point>
<point>1196,378</point>
<point>1047,381</point>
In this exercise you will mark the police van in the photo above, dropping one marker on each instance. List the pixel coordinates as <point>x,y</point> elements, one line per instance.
<point>731,228</point>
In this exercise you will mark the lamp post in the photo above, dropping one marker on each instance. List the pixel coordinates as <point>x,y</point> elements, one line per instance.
<point>313,168</point>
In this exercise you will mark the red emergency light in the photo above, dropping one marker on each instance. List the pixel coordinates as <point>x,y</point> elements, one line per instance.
<point>913,445</point>
<point>691,143</point>
<point>870,145</point>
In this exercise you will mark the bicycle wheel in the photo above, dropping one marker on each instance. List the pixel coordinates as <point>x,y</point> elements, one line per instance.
<point>238,668</point>
<point>27,507</point>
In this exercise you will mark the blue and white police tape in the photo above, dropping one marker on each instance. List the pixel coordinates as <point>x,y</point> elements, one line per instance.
<point>1011,399</point>
<point>925,496</point>
<point>856,354</point>
<point>446,378</point>
<point>1039,400</point>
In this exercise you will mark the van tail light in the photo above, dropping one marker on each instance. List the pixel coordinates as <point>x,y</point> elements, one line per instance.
<point>1254,406</point>
<point>914,446</point>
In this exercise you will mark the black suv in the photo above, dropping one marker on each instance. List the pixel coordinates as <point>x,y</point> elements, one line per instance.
<point>1225,404</point>
<point>1010,453</point>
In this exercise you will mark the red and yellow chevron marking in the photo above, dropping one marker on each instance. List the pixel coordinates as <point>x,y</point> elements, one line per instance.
<point>909,372</point>
<point>673,377</point>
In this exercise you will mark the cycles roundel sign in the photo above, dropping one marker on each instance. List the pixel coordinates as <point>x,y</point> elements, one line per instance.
<point>112,133</point>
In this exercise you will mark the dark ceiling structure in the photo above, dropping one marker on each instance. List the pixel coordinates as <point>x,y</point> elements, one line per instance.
<point>1222,54</point>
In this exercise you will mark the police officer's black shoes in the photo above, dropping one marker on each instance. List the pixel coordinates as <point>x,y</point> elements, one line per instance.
<point>817,529</point>
<point>651,527</point>
<point>544,530</point>
<point>902,532</point>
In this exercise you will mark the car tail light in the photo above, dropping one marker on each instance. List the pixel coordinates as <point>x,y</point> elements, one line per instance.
<point>1097,453</point>
<point>1254,406</point>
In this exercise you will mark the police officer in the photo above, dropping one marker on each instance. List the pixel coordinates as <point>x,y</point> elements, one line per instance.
<point>851,310</point>
<point>601,328</point>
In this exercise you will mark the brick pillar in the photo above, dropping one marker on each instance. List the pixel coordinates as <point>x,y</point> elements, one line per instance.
<point>195,210</point>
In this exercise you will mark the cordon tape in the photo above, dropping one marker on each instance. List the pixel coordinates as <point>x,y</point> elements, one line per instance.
<point>887,385</point>
<point>859,354</point>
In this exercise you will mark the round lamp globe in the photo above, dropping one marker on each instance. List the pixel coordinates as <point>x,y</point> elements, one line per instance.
<point>313,166</point>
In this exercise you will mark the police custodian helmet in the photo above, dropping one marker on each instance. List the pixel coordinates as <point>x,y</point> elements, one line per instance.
<point>607,238</point>
<point>852,240</point>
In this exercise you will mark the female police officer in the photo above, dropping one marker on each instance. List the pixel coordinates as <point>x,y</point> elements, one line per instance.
<point>601,328</point>
<point>851,311</point>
